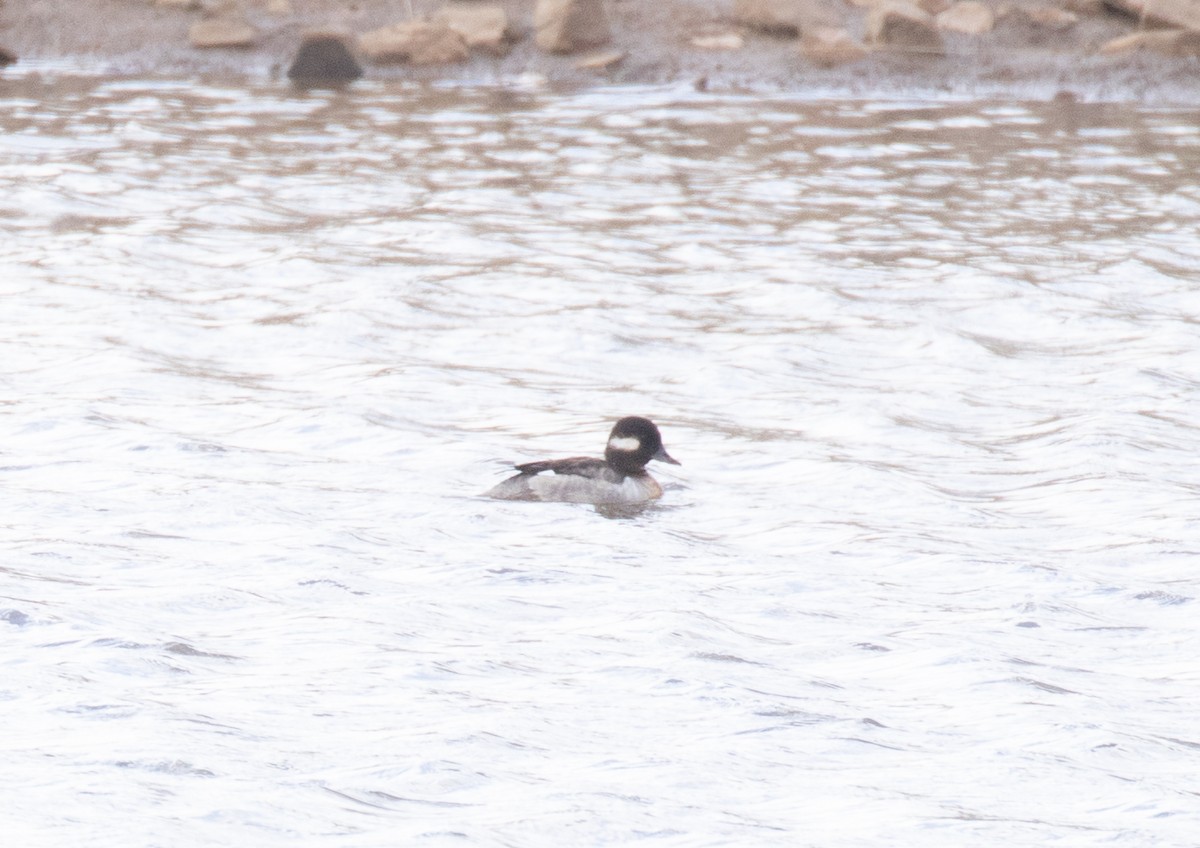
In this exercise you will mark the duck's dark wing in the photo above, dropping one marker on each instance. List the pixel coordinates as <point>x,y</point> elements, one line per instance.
<point>579,466</point>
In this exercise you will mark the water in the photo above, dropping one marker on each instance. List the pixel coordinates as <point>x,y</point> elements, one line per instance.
<point>925,577</point>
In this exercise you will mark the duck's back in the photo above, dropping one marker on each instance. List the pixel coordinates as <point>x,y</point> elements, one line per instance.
<point>576,480</point>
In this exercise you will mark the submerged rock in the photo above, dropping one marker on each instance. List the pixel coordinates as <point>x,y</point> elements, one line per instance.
<point>567,26</point>
<point>418,42</point>
<point>324,57</point>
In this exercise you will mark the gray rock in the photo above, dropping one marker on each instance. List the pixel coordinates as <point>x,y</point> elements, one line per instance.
<point>324,57</point>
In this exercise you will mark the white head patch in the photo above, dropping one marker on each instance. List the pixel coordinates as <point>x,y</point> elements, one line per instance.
<point>625,443</point>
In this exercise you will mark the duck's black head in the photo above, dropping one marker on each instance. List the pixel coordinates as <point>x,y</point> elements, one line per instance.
<point>632,443</point>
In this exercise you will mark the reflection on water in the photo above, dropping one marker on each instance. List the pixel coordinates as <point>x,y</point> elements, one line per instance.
<point>925,576</point>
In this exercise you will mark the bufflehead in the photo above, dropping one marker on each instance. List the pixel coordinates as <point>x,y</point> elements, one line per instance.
<point>619,478</point>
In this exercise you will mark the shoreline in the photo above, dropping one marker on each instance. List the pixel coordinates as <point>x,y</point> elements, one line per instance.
<point>1021,56</point>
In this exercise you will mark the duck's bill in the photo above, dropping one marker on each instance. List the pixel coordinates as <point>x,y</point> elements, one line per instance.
<point>663,456</point>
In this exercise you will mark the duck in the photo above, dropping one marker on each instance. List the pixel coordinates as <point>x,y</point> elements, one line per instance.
<point>620,478</point>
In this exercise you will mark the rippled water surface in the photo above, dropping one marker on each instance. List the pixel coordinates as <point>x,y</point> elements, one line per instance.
<point>927,575</point>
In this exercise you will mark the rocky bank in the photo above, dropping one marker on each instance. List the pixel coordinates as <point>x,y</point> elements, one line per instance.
<point>1113,49</point>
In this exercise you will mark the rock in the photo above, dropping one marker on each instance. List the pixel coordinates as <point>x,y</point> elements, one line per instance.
<point>324,57</point>
<point>483,27</point>
<point>932,7</point>
<point>566,26</point>
<point>1049,16</point>
<point>1040,23</point>
<point>967,16</point>
<point>904,28</point>
<point>222,32</point>
<point>222,8</point>
<point>829,46</point>
<point>600,61</point>
<point>7,57</point>
<point>720,41</point>
<point>1184,14</point>
<point>782,18</point>
<point>418,42</point>
<point>1169,42</point>
<point>1087,7</point>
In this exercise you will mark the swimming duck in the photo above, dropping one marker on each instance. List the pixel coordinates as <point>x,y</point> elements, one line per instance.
<point>619,478</point>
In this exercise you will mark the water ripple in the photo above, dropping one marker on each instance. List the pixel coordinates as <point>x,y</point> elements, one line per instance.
<point>926,575</point>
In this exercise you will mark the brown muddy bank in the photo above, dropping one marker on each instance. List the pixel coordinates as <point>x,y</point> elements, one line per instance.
<point>1025,48</point>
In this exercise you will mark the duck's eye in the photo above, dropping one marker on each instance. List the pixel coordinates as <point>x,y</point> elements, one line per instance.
<point>625,443</point>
